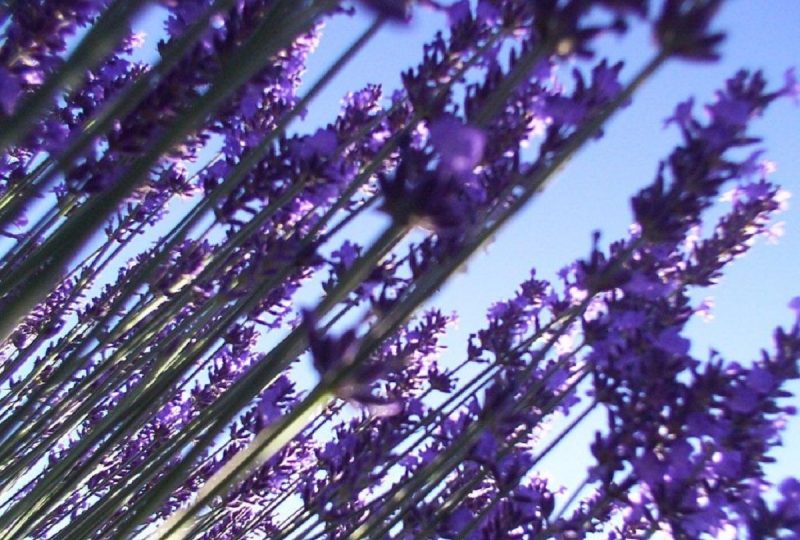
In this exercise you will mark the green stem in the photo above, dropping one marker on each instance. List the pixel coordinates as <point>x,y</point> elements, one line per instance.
<point>507,487</point>
<point>66,474</point>
<point>265,445</point>
<point>246,164</point>
<point>103,35</point>
<point>219,414</point>
<point>404,495</point>
<point>70,238</point>
<point>118,107</point>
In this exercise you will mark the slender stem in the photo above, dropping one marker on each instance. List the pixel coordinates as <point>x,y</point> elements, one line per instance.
<point>244,165</point>
<point>263,447</point>
<point>402,496</point>
<point>215,417</point>
<point>247,162</point>
<point>103,35</point>
<point>70,238</point>
<point>253,156</point>
<point>532,186</point>
<point>507,486</point>
<point>100,122</point>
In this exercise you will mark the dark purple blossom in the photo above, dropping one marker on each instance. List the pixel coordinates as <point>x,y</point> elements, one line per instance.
<point>393,9</point>
<point>443,200</point>
<point>693,175</point>
<point>9,95</point>
<point>460,147</point>
<point>683,29</point>
<point>133,388</point>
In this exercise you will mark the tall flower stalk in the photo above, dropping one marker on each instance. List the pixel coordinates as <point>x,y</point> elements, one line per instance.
<point>161,220</point>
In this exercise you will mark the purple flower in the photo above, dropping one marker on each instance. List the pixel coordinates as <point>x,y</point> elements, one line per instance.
<point>321,144</point>
<point>460,146</point>
<point>794,305</point>
<point>9,91</point>
<point>435,199</point>
<point>399,10</point>
<point>335,360</point>
<point>791,87</point>
<point>458,12</point>
<point>682,29</point>
<point>790,491</point>
<point>682,115</point>
<point>488,12</point>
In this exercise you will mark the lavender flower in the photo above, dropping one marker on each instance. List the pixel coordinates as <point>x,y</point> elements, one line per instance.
<point>161,381</point>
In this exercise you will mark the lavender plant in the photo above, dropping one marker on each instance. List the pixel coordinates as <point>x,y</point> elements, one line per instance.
<point>162,220</point>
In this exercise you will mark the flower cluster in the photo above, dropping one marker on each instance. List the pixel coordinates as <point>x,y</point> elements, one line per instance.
<point>162,220</point>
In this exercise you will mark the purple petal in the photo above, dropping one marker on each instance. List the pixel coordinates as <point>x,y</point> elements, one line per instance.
<point>460,146</point>
<point>9,91</point>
